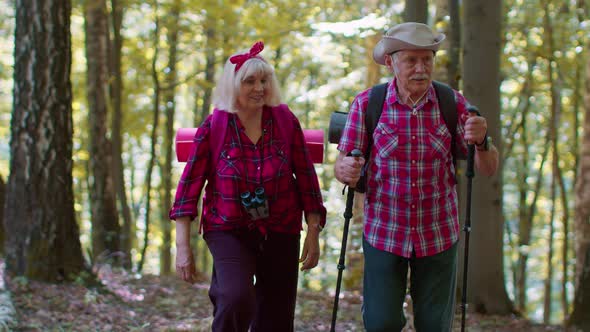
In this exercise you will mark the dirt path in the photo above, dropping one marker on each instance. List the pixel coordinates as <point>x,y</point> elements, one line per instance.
<point>152,303</point>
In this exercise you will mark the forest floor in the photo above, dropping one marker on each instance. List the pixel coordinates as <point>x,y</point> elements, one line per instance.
<point>154,303</point>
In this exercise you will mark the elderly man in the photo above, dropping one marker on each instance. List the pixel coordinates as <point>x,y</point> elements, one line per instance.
<point>411,209</point>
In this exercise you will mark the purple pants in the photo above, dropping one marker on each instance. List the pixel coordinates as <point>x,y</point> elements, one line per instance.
<point>254,281</point>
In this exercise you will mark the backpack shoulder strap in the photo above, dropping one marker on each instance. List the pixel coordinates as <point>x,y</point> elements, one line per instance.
<point>283,115</point>
<point>448,109</point>
<point>219,121</point>
<point>373,113</point>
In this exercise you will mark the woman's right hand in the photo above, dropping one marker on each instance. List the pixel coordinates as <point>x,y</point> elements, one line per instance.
<point>185,264</point>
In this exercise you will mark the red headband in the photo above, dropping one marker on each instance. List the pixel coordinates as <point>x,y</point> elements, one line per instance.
<point>240,59</point>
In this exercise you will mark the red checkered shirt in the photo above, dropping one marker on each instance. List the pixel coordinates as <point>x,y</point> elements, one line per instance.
<point>286,173</point>
<point>411,197</point>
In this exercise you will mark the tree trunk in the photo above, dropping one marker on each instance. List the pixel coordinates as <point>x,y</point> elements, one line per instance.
<point>126,238</point>
<point>526,211</point>
<point>2,199</point>
<point>210,64</point>
<point>416,11</point>
<point>486,287</point>
<point>553,125</point>
<point>154,140</point>
<point>454,33</point>
<point>582,204</point>
<point>171,77</point>
<point>525,224</point>
<point>547,300</point>
<point>211,45</point>
<point>582,11</point>
<point>525,230</point>
<point>105,221</point>
<point>134,203</point>
<point>44,242</point>
<point>439,17</point>
<point>578,101</point>
<point>566,243</point>
<point>579,316</point>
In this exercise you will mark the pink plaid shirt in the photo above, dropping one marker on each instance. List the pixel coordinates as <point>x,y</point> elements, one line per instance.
<point>411,197</point>
<point>286,173</point>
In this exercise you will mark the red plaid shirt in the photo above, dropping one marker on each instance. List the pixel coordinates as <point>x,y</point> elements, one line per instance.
<point>411,198</point>
<point>286,173</point>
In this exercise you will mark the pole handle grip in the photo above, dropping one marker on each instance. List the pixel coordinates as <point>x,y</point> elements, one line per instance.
<point>356,153</point>
<point>470,172</point>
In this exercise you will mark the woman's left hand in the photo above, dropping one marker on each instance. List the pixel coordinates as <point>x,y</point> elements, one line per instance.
<point>311,249</point>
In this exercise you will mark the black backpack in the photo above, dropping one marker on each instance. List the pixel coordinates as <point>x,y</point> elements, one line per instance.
<point>448,108</point>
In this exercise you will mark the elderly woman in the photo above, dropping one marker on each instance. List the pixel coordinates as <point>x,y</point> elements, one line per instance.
<point>260,179</point>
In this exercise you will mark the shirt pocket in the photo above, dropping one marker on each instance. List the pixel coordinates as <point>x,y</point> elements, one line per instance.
<point>278,164</point>
<point>229,162</point>
<point>389,143</point>
<point>224,203</point>
<point>440,142</point>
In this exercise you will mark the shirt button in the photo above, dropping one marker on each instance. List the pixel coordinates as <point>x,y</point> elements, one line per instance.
<point>413,162</point>
<point>258,168</point>
<point>413,184</point>
<point>413,206</point>
<point>413,137</point>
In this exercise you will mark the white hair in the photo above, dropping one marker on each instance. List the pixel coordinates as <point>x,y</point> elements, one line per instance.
<point>228,87</point>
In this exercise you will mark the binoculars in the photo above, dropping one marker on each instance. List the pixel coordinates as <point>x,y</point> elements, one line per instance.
<point>256,205</point>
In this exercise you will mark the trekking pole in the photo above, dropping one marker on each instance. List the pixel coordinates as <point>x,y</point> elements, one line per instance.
<point>467,227</point>
<point>347,216</point>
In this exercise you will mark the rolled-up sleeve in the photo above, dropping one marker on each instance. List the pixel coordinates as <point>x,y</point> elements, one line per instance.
<point>462,115</point>
<point>194,176</point>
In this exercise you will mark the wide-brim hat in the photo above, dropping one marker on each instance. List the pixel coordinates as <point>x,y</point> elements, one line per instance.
<point>407,36</point>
